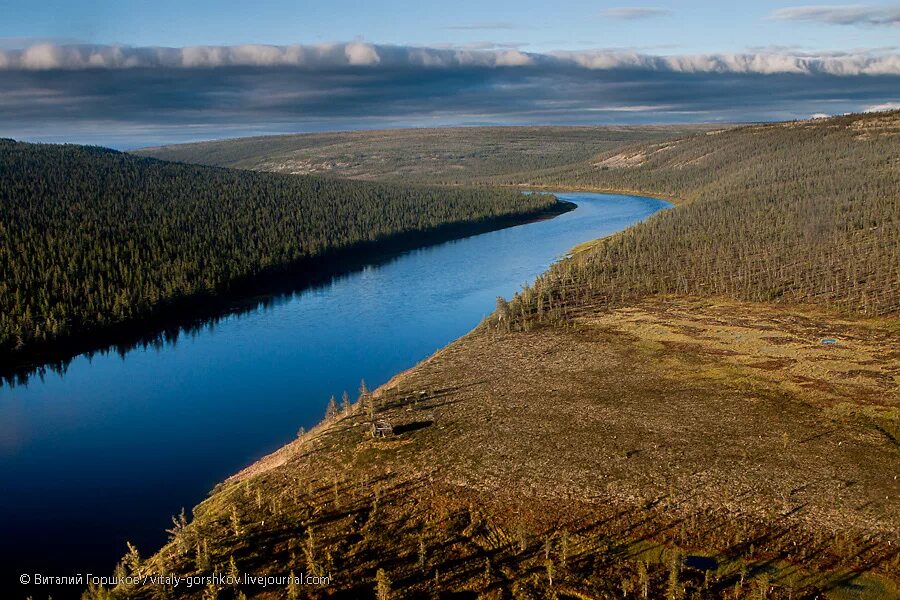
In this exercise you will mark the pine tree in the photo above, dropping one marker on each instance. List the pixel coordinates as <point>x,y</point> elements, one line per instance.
<point>309,550</point>
<point>644,579</point>
<point>233,573</point>
<point>382,585</point>
<point>293,589</point>
<point>674,589</point>
<point>331,413</point>
<point>235,519</point>
<point>132,559</point>
<point>179,522</point>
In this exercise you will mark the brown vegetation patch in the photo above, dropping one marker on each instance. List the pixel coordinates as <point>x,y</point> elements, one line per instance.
<point>589,460</point>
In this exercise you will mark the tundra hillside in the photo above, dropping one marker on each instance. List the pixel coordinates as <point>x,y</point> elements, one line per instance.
<point>94,238</point>
<point>704,406</point>
<point>457,155</point>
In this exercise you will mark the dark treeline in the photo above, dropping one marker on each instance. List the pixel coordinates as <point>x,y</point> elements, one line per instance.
<point>93,237</point>
<point>804,212</point>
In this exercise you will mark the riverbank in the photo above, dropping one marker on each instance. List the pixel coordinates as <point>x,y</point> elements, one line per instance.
<point>593,189</point>
<point>188,313</point>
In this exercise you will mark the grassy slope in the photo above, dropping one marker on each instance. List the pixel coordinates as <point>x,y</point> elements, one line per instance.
<point>604,448</point>
<point>455,155</point>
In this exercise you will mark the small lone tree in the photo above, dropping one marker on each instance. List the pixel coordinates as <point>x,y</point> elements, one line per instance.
<point>211,592</point>
<point>132,559</point>
<point>235,519</point>
<point>309,550</point>
<point>233,573</point>
<point>382,585</point>
<point>293,589</point>
<point>503,313</point>
<point>179,522</point>
<point>345,402</point>
<point>201,557</point>
<point>644,579</point>
<point>369,399</point>
<point>423,553</point>
<point>674,591</point>
<point>331,412</point>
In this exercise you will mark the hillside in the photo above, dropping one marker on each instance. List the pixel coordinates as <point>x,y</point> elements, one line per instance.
<point>95,238</point>
<point>449,155</point>
<point>805,212</point>
<point>704,406</point>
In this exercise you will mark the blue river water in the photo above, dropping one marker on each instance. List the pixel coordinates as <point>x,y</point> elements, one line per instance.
<point>109,450</point>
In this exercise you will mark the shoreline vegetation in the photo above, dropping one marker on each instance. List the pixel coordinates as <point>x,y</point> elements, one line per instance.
<point>124,251</point>
<point>702,406</point>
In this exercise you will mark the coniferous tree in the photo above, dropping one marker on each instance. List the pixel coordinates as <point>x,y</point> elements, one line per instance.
<point>382,585</point>
<point>331,412</point>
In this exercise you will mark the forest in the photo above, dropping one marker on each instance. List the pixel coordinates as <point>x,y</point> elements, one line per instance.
<point>797,213</point>
<point>92,237</point>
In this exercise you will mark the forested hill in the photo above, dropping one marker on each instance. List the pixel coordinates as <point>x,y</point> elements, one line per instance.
<point>92,237</point>
<point>800,212</point>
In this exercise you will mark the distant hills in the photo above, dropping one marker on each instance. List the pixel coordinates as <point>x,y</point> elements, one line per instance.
<point>446,155</point>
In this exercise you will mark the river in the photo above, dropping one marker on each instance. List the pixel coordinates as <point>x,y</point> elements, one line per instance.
<point>108,450</point>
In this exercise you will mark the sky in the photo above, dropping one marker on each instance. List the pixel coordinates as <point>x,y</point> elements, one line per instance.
<point>138,72</point>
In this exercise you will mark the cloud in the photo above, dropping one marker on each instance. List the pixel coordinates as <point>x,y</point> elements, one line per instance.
<point>766,63</point>
<point>883,107</point>
<point>856,14</point>
<point>128,97</point>
<point>354,54</point>
<point>634,13</point>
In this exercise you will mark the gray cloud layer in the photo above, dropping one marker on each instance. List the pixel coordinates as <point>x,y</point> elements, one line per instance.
<point>356,54</point>
<point>128,97</point>
<point>842,15</point>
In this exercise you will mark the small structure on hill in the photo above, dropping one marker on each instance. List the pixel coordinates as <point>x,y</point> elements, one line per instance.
<point>381,429</point>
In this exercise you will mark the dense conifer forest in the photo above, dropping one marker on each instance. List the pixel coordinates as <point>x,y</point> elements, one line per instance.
<point>93,237</point>
<point>801,212</point>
